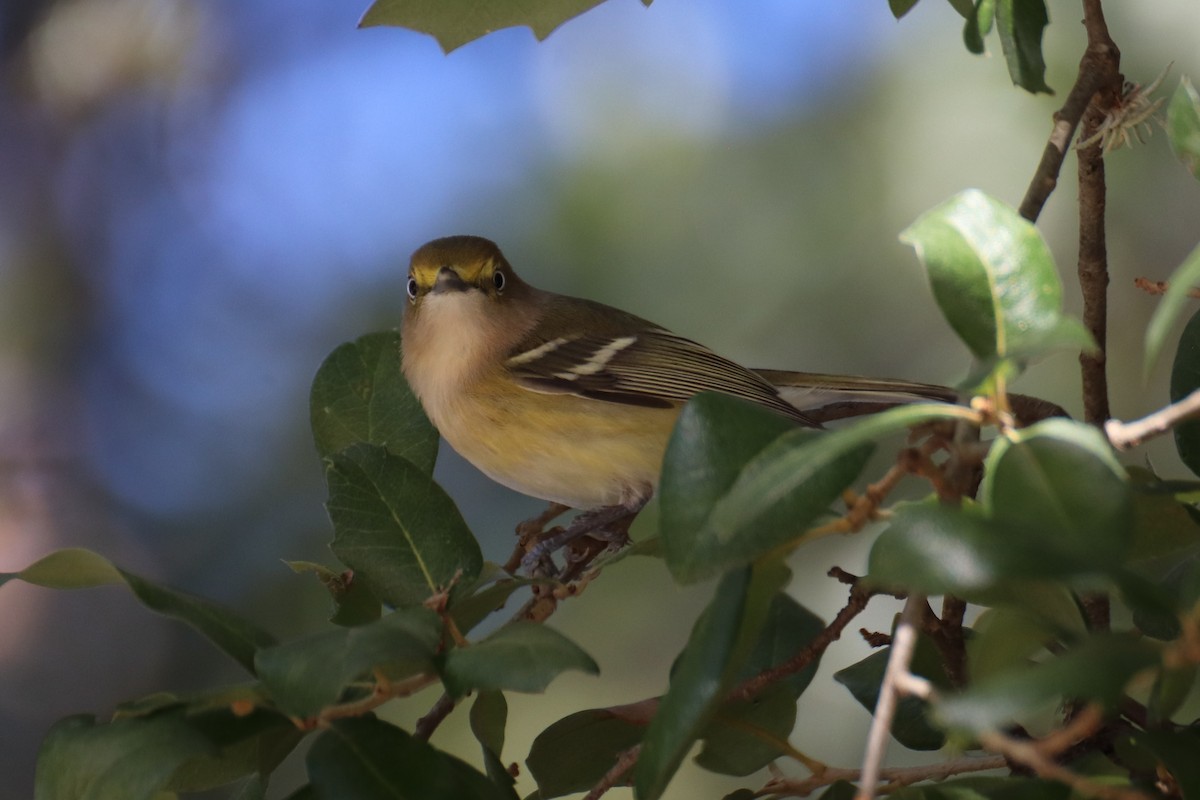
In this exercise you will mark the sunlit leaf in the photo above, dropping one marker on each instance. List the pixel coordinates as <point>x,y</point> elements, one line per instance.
<point>396,528</point>
<point>359,395</point>
<point>993,278</point>
<point>522,657</point>
<point>1183,125</point>
<point>1060,479</point>
<point>455,22</point>
<point>76,568</point>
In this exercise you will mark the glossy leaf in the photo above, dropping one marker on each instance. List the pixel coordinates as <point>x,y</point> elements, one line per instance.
<point>993,278</point>
<point>367,759</point>
<point>1185,379</point>
<point>720,643</point>
<point>75,568</point>
<point>742,736</point>
<point>910,726</point>
<point>396,528</point>
<point>129,759</point>
<point>305,675</point>
<point>576,751</point>
<point>521,657</point>
<point>455,22</point>
<point>1060,480</point>
<point>1098,669</point>
<point>1183,125</point>
<point>359,395</point>
<point>1021,24</point>
<point>720,510</point>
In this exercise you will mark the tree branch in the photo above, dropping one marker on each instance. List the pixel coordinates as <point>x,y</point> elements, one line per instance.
<point>1126,435</point>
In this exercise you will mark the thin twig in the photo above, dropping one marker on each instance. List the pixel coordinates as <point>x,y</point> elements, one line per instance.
<point>904,642</point>
<point>1160,287</point>
<point>620,769</point>
<point>1126,435</point>
<point>894,777</point>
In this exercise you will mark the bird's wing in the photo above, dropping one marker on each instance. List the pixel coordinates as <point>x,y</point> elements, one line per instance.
<point>649,367</point>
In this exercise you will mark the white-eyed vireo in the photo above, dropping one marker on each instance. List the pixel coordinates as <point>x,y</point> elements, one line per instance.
<point>569,400</point>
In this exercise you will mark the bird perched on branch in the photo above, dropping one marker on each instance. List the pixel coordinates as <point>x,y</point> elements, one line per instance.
<point>572,401</point>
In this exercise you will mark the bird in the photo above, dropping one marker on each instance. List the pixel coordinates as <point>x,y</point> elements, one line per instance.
<point>572,401</point>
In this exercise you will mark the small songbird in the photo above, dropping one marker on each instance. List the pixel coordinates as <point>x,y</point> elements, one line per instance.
<point>573,401</point>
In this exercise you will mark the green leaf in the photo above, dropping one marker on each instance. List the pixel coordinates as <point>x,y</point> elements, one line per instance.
<point>901,7</point>
<point>128,759</point>
<point>993,278</point>
<point>1060,479</point>
<point>75,568</point>
<point>1006,638</point>
<point>910,726</point>
<point>359,395</point>
<point>745,735</point>
<point>1169,308</point>
<point>1183,125</point>
<point>396,528</point>
<point>489,715</point>
<point>1163,529</point>
<point>367,759</point>
<point>719,510</point>
<point>1098,669</point>
<point>1185,379</point>
<point>986,788</point>
<point>1176,750</point>
<point>489,594</point>
<point>1021,24</point>
<point>522,657</point>
<point>720,644</point>
<point>455,22</point>
<point>308,674</point>
<point>979,25</point>
<point>353,602</point>
<point>577,751</point>
<point>965,8</point>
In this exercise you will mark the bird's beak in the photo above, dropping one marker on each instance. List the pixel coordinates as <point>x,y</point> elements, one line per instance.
<point>449,281</point>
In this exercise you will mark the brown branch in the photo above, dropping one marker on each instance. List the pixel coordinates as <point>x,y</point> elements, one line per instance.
<point>1097,69</point>
<point>620,769</point>
<point>1160,287</point>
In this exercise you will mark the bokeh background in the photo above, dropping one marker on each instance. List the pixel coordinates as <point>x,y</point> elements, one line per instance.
<point>199,200</point>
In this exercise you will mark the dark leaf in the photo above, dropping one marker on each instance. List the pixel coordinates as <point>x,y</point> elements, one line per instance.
<point>1176,750</point>
<point>578,750</point>
<point>489,715</point>
<point>367,759</point>
<point>75,568</point>
<point>979,25</point>
<point>1172,304</point>
<point>353,602</point>
<point>1183,125</point>
<point>901,7</point>
<point>1021,24</point>
<point>1185,373</point>
<point>522,656</point>
<point>396,528</point>
<point>720,643</point>
<point>455,22</point>
<point>359,395</point>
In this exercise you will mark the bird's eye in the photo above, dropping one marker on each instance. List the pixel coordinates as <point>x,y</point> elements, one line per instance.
<point>412,288</point>
<point>498,280</point>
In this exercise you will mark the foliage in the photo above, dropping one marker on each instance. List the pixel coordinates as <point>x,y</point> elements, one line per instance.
<point>1057,521</point>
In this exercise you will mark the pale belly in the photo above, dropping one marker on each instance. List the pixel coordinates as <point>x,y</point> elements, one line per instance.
<point>576,451</point>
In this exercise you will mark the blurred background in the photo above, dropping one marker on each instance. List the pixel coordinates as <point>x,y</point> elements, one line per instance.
<point>198,201</point>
